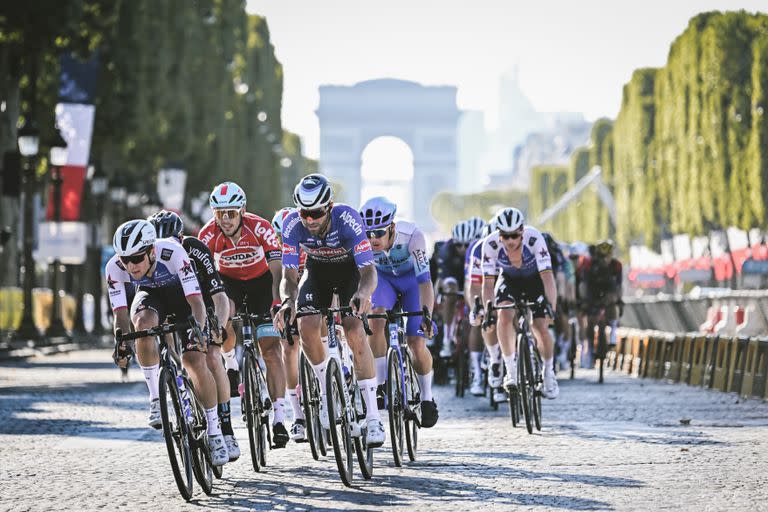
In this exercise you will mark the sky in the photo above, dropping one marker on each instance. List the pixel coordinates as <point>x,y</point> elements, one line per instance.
<point>572,55</point>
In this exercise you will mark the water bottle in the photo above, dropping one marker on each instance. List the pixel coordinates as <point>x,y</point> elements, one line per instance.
<point>184,398</point>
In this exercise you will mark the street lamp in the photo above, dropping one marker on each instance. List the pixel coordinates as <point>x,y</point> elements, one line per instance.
<point>58,159</point>
<point>99,183</point>
<point>29,144</point>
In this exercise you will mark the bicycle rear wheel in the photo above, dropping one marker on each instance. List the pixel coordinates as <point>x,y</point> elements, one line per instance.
<point>572,350</point>
<point>201,454</point>
<point>461,361</point>
<point>176,433</point>
<point>310,404</point>
<point>395,406</point>
<point>525,386</point>
<point>538,384</point>
<point>413,402</point>
<point>341,439</point>
<point>253,416</point>
<point>601,349</point>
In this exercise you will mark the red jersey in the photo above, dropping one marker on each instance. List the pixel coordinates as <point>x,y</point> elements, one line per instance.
<point>257,246</point>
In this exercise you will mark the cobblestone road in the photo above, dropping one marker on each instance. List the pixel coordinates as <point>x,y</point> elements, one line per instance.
<point>73,437</point>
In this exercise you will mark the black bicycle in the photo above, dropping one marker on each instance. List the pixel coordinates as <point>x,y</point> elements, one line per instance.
<point>185,425</point>
<point>256,403</point>
<point>529,367</point>
<point>344,400</point>
<point>403,398</point>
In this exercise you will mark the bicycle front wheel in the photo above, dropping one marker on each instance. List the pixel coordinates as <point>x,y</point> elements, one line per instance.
<point>336,401</point>
<point>310,404</point>
<point>176,433</point>
<point>525,381</point>
<point>253,417</point>
<point>395,406</point>
<point>201,453</point>
<point>413,403</point>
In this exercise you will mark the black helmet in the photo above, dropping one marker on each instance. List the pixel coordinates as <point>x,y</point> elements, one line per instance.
<point>167,224</point>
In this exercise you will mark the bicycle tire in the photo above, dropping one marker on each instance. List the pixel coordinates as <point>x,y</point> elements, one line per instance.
<point>201,455</point>
<point>601,349</point>
<point>363,452</point>
<point>252,415</point>
<point>572,350</point>
<point>340,437</point>
<point>176,436</point>
<point>264,434</point>
<point>524,384</point>
<point>514,407</point>
<point>396,406</point>
<point>461,361</point>
<point>538,384</point>
<point>413,397</point>
<point>310,404</point>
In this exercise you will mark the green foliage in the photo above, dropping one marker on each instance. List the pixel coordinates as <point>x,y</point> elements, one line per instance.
<point>448,208</point>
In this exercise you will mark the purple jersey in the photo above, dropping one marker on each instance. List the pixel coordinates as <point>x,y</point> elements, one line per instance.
<point>345,240</point>
<point>472,260</point>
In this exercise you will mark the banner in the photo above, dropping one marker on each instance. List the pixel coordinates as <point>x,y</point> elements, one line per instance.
<point>72,180</point>
<point>170,187</point>
<point>64,241</point>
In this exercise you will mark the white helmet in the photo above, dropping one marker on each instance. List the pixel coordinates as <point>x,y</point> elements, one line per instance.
<point>509,219</point>
<point>313,192</point>
<point>227,195</point>
<point>476,224</point>
<point>277,220</point>
<point>489,228</point>
<point>463,232</point>
<point>133,237</point>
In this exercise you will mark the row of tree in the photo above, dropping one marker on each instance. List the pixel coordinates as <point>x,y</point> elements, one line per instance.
<point>194,84</point>
<point>688,151</point>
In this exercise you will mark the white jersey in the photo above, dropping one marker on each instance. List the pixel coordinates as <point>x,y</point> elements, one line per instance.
<point>408,254</point>
<point>172,268</point>
<point>535,255</point>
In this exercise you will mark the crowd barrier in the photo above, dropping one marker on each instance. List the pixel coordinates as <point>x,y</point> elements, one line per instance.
<point>727,313</point>
<point>726,363</point>
<point>12,308</point>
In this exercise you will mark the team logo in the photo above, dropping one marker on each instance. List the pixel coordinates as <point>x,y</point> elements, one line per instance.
<point>350,221</point>
<point>166,254</point>
<point>532,241</point>
<point>543,253</point>
<point>111,282</point>
<point>363,246</point>
<point>289,250</point>
<point>187,268</point>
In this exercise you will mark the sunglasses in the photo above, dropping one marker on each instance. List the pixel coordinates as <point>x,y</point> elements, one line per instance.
<point>510,236</point>
<point>229,214</point>
<point>315,214</point>
<point>460,244</point>
<point>135,259</point>
<point>377,233</point>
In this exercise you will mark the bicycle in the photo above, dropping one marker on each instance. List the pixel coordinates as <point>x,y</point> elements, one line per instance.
<point>255,403</point>
<point>344,401</point>
<point>403,395</point>
<point>599,339</point>
<point>460,353</point>
<point>184,422</point>
<point>529,367</point>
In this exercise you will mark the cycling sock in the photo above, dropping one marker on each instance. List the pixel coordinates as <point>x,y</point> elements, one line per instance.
<point>494,353</point>
<point>368,390</point>
<point>320,372</point>
<point>549,366</point>
<point>214,428</point>
<point>293,397</point>
<point>230,360</point>
<point>381,370</point>
<point>511,363</point>
<point>226,419</point>
<point>425,382</point>
<point>152,376</point>
<point>476,357</point>
<point>279,407</point>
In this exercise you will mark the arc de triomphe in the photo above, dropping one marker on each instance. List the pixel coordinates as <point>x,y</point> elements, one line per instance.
<point>424,117</point>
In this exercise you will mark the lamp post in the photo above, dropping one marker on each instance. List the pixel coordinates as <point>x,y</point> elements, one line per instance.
<point>29,144</point>
<point>99,184</point>
<point>58,159</point>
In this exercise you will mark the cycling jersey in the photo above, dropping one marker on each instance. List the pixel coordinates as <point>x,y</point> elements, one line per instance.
<point>472,262</point>
<point>249,258</point>
<point>535,255</point>
<point>450,263</point>
<point>205,270</point>
<point>601,279</point>
<point>408,255</point>
<point>172,269</point>
<point>345,240</point>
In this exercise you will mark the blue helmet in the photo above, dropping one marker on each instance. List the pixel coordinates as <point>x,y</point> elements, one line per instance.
<point>378,212</point>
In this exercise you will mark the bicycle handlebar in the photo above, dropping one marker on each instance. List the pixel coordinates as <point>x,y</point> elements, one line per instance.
<point>159,330</point>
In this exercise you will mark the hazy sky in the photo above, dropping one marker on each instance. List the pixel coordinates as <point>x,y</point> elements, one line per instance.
<point>573,55</point>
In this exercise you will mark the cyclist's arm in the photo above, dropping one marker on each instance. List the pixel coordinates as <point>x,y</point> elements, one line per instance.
<point>368,280</point>
<point>197,306</point>
<point>289,286</point>
<point>122,320</point>
<point>276,268</point>
<point>221,308</point>
<point>426,295</point>
<point>550,288</point>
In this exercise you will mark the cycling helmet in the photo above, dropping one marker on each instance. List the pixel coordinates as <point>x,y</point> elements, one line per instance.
<point>167,224</point>
<point>378,212</point>
<point>604,247</point>
<point>277,220</point>
<point>313,192</point>
<point>134,236</point>
<point>476,225</point>
<point>462,232</point>
<point>227,195</point>
<point>509,219</point>
<point>489,228</point>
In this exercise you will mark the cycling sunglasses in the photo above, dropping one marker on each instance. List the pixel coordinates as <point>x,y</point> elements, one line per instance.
<point>317,213</point>
<point>229,214</point>
<point>377,233</point>
<point>135,258</point>
<point>510,236</point>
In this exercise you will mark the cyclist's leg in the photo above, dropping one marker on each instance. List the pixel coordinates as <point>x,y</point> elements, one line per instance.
<point>448,309</point>
<point>612,315</point>
<point>507,333</point>
<point>145,314</point>
<point>291,365</point>
<point>383,298</point>
<point>491,340</point>
<point>314,293</point>
<point>236,291</point>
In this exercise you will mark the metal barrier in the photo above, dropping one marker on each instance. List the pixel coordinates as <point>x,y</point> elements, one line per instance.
<point>753,384</point>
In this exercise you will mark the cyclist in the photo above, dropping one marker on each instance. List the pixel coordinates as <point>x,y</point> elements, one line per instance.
<point>521,254</point>
<point>169,225</point>
<point>291,352</point>
<point>166,285</point>
<point>450,279</point>
<point>400,253</point>
<point>601,287</point>
<point>560,266</point>
<point>339,257</point>
<point>247,256</point>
